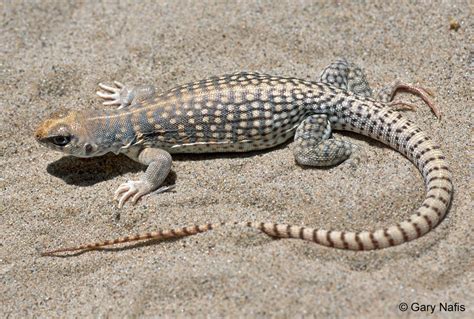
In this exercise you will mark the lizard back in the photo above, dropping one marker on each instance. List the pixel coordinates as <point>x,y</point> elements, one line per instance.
<point>232,113</point>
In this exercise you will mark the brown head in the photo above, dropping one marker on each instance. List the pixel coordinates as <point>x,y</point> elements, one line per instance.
<point>67,132</point>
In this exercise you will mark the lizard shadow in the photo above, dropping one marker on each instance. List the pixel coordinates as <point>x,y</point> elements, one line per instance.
<point>90,171</point>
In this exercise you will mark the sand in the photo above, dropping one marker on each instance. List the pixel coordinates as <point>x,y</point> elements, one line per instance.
<point>54,54</point>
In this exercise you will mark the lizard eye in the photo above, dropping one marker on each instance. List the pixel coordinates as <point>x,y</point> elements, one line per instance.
<point>60,140</point>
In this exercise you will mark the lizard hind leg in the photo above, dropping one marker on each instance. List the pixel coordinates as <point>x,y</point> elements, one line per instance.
<point>314,145</point>
<point>347,76</point>
<point>124,96</point>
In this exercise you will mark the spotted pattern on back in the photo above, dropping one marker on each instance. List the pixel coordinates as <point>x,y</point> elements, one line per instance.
<point>237,112</point>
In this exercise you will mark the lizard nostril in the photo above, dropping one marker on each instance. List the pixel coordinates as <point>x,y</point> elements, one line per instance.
<point>39,134</point>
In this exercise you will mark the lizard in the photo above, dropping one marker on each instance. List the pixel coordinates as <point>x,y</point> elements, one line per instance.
<point>249,111</point>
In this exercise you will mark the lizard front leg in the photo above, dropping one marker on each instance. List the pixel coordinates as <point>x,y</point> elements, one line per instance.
<point>159,166</point>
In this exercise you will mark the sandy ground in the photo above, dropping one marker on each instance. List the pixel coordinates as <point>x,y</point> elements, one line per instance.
<point>54,54</point>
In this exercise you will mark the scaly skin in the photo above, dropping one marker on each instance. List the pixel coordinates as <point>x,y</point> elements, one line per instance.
<point>251,111</point>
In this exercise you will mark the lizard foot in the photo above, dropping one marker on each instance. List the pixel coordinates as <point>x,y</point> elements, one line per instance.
<point>358,156</point>
<point>388,93</point>
<point>115,95</point>
<point>135,190</point>
<point>423,93</point>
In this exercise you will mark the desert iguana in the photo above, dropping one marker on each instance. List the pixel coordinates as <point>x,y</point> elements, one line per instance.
<point>251,111</point>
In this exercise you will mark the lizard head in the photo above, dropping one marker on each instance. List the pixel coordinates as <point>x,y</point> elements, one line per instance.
<point>65,131</point>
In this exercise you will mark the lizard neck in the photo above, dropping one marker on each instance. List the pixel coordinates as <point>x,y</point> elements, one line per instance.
<point>110,130</point>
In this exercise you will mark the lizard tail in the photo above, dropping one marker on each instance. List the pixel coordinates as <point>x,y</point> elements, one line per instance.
<point>155,235</point>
